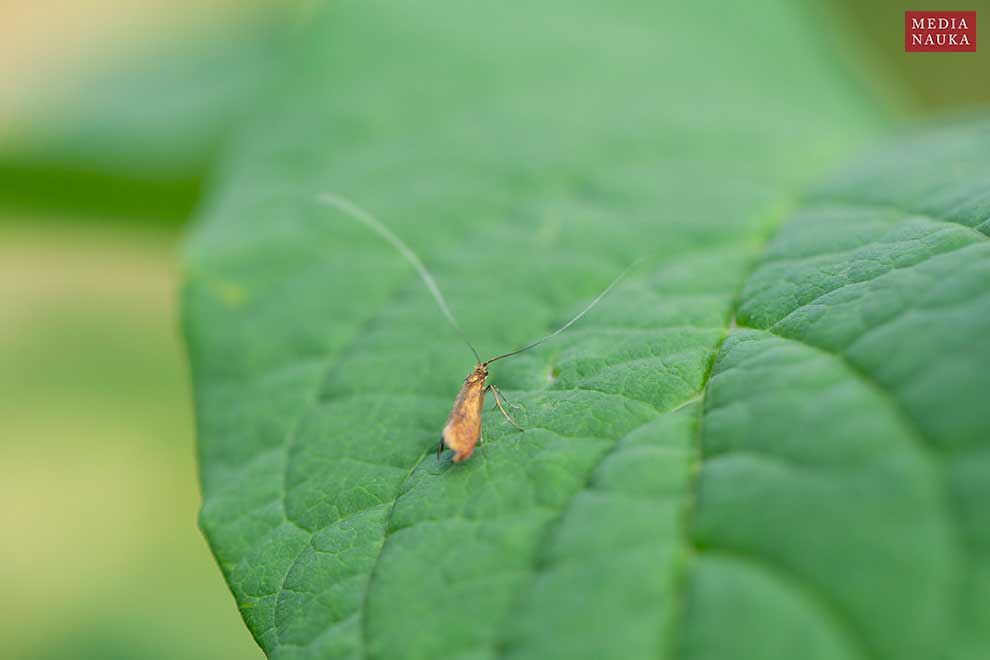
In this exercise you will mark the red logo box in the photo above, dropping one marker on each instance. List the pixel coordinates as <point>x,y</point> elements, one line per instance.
<point>940,31</point>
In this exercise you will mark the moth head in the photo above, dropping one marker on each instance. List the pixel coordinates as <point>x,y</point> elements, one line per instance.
<point>480,372</point>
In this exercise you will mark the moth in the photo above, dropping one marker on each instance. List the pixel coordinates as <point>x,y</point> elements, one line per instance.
<point>462,431</point>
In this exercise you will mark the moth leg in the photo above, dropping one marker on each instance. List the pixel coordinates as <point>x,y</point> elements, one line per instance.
<point>504,398</point>
<point>440,448</point>
<point>498,402</point>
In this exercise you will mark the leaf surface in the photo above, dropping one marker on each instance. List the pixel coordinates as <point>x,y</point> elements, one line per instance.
<point>676,435</point>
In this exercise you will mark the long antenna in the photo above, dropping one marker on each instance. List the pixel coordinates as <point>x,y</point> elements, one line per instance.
<point>584,311</point>
<point>357,213</point>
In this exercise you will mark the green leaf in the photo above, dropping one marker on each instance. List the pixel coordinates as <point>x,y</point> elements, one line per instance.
<point>844,445</point>
<point>136,137</point>
<point>724,459</point>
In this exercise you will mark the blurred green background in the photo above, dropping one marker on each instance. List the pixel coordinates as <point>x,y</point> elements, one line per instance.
<point>114,115</point>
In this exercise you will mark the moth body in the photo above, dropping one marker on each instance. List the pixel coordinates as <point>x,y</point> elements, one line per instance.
<point>463,427</point>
